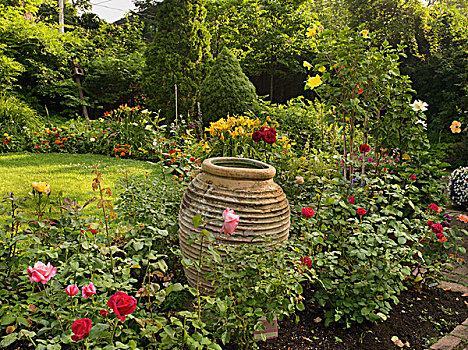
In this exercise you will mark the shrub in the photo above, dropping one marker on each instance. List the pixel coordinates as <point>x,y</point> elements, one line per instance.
<point>458,187</point>
<point>226,90</point>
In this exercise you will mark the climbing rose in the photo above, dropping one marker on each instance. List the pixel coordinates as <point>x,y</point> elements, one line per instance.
<point>231,220</point>
<point>81,328</point>
<point>413,177</point>
<point>441,237</point>
<point>41,272</point>
<point>364,148</point>
<point>72,290</point>
<point>361,211</point>
<point>307,212</point>
<point>463,217</point>
<point>437,228</point>
<point>122,304</point>
<point>351,200</point>
<point>88,290</point>
<point>434,207</point>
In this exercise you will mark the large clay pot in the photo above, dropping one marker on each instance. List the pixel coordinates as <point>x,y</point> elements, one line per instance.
<point>243,185</point>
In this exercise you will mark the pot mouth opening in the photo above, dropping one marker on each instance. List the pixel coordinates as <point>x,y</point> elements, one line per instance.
<point>239,168</point>
<point>239,163</point>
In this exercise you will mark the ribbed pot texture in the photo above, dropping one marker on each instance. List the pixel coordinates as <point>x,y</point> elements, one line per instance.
<point>243,185</point>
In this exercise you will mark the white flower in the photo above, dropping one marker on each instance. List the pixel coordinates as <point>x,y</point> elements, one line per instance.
<point>145,121</point>
<point>148,127</point>
<point>419,105</point>
<point>155,143</point>
<point>145,111</point>
<point>92,139</point>
<point>134,124</point>
<point>423,123</point>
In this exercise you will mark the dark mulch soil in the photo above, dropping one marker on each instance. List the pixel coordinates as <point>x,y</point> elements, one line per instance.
<point>420,319</point>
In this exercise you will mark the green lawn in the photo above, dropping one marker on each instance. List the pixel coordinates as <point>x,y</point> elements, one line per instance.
<point>66,173</point>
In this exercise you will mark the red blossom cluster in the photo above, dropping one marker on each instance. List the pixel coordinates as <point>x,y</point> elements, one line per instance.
<point>266,134</point>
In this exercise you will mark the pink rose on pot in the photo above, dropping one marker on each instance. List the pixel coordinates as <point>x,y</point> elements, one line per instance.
<point>72,290</point>
<point>88,290</point>
<point>231,220</point>
<point>41,272</point>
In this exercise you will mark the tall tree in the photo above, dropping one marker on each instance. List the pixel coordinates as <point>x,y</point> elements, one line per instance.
<point>177,56</point>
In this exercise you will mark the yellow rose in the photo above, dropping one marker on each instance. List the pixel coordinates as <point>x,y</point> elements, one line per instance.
<point>314,82</point>
<point>322,69</point>
<point>307,65</point>
<point>455,127</point>
<point>311,32</point>
<point>41,187</point>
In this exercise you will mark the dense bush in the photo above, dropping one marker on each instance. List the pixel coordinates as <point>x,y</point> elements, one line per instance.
<point>226,90</point>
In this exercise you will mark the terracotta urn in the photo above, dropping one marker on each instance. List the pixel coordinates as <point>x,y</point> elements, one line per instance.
<point>243,185</point>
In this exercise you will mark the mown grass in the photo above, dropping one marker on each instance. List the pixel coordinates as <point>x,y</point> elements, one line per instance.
<point>69,174</point>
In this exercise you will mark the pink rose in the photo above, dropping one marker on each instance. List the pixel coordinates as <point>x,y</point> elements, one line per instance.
<point>41,272</point>
<point>351,200</point>
<point>72,290</point>
<point>89,290</point>
<point>231,220</point>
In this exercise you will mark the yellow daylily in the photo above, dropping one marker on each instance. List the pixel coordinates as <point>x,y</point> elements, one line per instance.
<point>365,34</point>
<point>322,69</point>
<point>307,65</point>
<point>313,82</point>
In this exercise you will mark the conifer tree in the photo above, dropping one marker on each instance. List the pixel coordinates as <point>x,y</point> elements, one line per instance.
<point>226,89</point>
<point>178,55</point>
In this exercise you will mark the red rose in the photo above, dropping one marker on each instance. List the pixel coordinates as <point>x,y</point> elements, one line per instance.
<point>361,211</point>
<point>273,130</point>
<point>306,261</point>
<point>351,200</point>
<point>257,136</point>
<point>413,177</point>
<point>104,312</point>
<point>429,223</point>
<point>269,137</point>
<point>122,304</point>
<point>192,159</point>
<point>81,328</point>
<point>307,212</point>
<point>364,148</point>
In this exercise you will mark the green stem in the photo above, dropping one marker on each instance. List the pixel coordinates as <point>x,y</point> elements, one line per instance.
<point>52,305</point>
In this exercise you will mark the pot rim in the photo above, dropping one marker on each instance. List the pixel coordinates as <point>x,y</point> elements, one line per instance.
<point>257,170</point>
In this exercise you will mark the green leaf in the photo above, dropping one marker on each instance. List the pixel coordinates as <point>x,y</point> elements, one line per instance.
<point>7,319</point>
<point>197,220</point>
<point>8,340</point>
<point>97,330</point>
